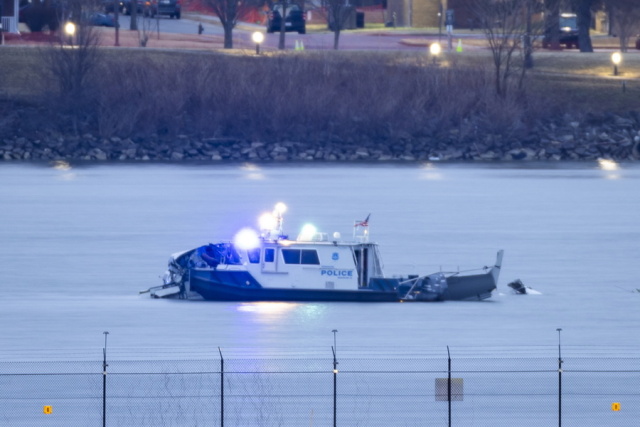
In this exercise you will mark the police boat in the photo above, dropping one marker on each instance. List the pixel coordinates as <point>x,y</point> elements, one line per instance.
<point>268,266</point>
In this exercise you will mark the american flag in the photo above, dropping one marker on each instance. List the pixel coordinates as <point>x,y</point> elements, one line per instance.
<point>364,223</point>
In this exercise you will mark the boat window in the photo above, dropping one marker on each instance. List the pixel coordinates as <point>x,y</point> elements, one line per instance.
<point>269,255</point>
<point>297,256</point>
<point>291,256</point>
<point>361,257</point>
<point>254,255</point>
<point>309,256</point>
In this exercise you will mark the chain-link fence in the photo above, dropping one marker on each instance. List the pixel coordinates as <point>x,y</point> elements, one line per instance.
<point>430,391</point>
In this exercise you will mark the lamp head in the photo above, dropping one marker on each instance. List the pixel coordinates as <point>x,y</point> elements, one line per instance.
<point>616,58</point>
<point>435,49</point>
<point>70,28</point>
<point>257,37</point>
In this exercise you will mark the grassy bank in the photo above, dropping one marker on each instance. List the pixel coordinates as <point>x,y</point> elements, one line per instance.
<point>319,96</point>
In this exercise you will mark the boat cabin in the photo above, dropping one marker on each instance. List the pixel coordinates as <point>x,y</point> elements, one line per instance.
<point>319,264</point>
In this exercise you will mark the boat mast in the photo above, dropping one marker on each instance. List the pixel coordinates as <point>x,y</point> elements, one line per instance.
<point>361,235</point>
<point>271,223</point>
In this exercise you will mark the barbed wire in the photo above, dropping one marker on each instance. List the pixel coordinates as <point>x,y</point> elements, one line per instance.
<point>196,353</point>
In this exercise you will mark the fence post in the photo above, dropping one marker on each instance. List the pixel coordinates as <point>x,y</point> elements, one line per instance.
<point>449,383</point>
<point>221,388</point>
<point>104,380</point>
<point>335,387</point>
<point>559,380</point>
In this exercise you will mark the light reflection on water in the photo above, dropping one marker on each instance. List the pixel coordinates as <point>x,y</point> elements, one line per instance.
<point>253,171</point>
<point>610,168</point>
<point>270,309</point>
<point>78,242</point>
<point>279,312</point>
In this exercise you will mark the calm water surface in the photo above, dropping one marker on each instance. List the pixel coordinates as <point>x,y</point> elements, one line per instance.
<point>78,243</point>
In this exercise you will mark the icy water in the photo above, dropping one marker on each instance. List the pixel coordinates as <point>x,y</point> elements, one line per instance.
<point>77,243</point>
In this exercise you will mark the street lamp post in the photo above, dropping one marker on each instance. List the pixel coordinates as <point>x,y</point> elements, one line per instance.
<point>116,9</point>
<point>439,21</point>
<point>257,38</point>
<point>616,58</point>
<point>104,380</point>
<point>335,380</point>
<point>335,331</point>
<point>70,30</point>
<point>559,380</point>
<point>435,50</point>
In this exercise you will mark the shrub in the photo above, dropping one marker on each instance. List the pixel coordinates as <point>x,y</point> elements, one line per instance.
<point>317,96</point>
<point>38,16</point>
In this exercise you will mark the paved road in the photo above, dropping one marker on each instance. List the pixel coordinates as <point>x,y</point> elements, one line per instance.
<point>185,25</point>
<point>382,40</point>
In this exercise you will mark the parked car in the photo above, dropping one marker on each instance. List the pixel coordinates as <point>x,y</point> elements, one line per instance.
<point>568,32</point>
<point>171,8</point>
<point>102,20</point>
<point>95,19</point>
<point>294,20</point>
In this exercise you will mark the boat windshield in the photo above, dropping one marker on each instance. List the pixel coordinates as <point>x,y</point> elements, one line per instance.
<point>219,253</point>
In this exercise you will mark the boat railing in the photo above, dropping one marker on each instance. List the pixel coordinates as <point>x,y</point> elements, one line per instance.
<point>409,294</point>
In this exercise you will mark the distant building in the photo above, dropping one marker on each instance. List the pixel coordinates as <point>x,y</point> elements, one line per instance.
<point>9,15</point>
<point>416,13</point>
<point>430,13</point>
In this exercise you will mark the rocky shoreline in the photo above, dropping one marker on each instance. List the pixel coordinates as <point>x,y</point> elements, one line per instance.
<point>614,137</point>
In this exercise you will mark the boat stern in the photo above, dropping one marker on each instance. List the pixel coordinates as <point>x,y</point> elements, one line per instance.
<point>474,287</point>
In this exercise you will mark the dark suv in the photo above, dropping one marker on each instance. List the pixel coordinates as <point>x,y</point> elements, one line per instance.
<point>568,32</point>
<point>172,8</point>
<point>294,21</point>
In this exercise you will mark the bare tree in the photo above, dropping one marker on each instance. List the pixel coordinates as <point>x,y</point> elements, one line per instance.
<point>504,23</point>
<point>133,25</point>
<point>228,11</point>
<point>583,12</point>
<point>338,12</point>
<point>625,14</point>
<point>147,26</point>
<point>71,66</point>
<point>552,23</point>
<point>73,59</point>
<point>529,33</point>
<point>283,29</point>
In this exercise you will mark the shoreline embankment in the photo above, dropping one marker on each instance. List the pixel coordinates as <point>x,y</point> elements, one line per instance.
<point>610,136</point>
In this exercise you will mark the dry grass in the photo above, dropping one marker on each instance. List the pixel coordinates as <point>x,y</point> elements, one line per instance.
<point>19,70</point>
<point>566,63</point>
<point>597,64</point>
<point>320,95</point>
